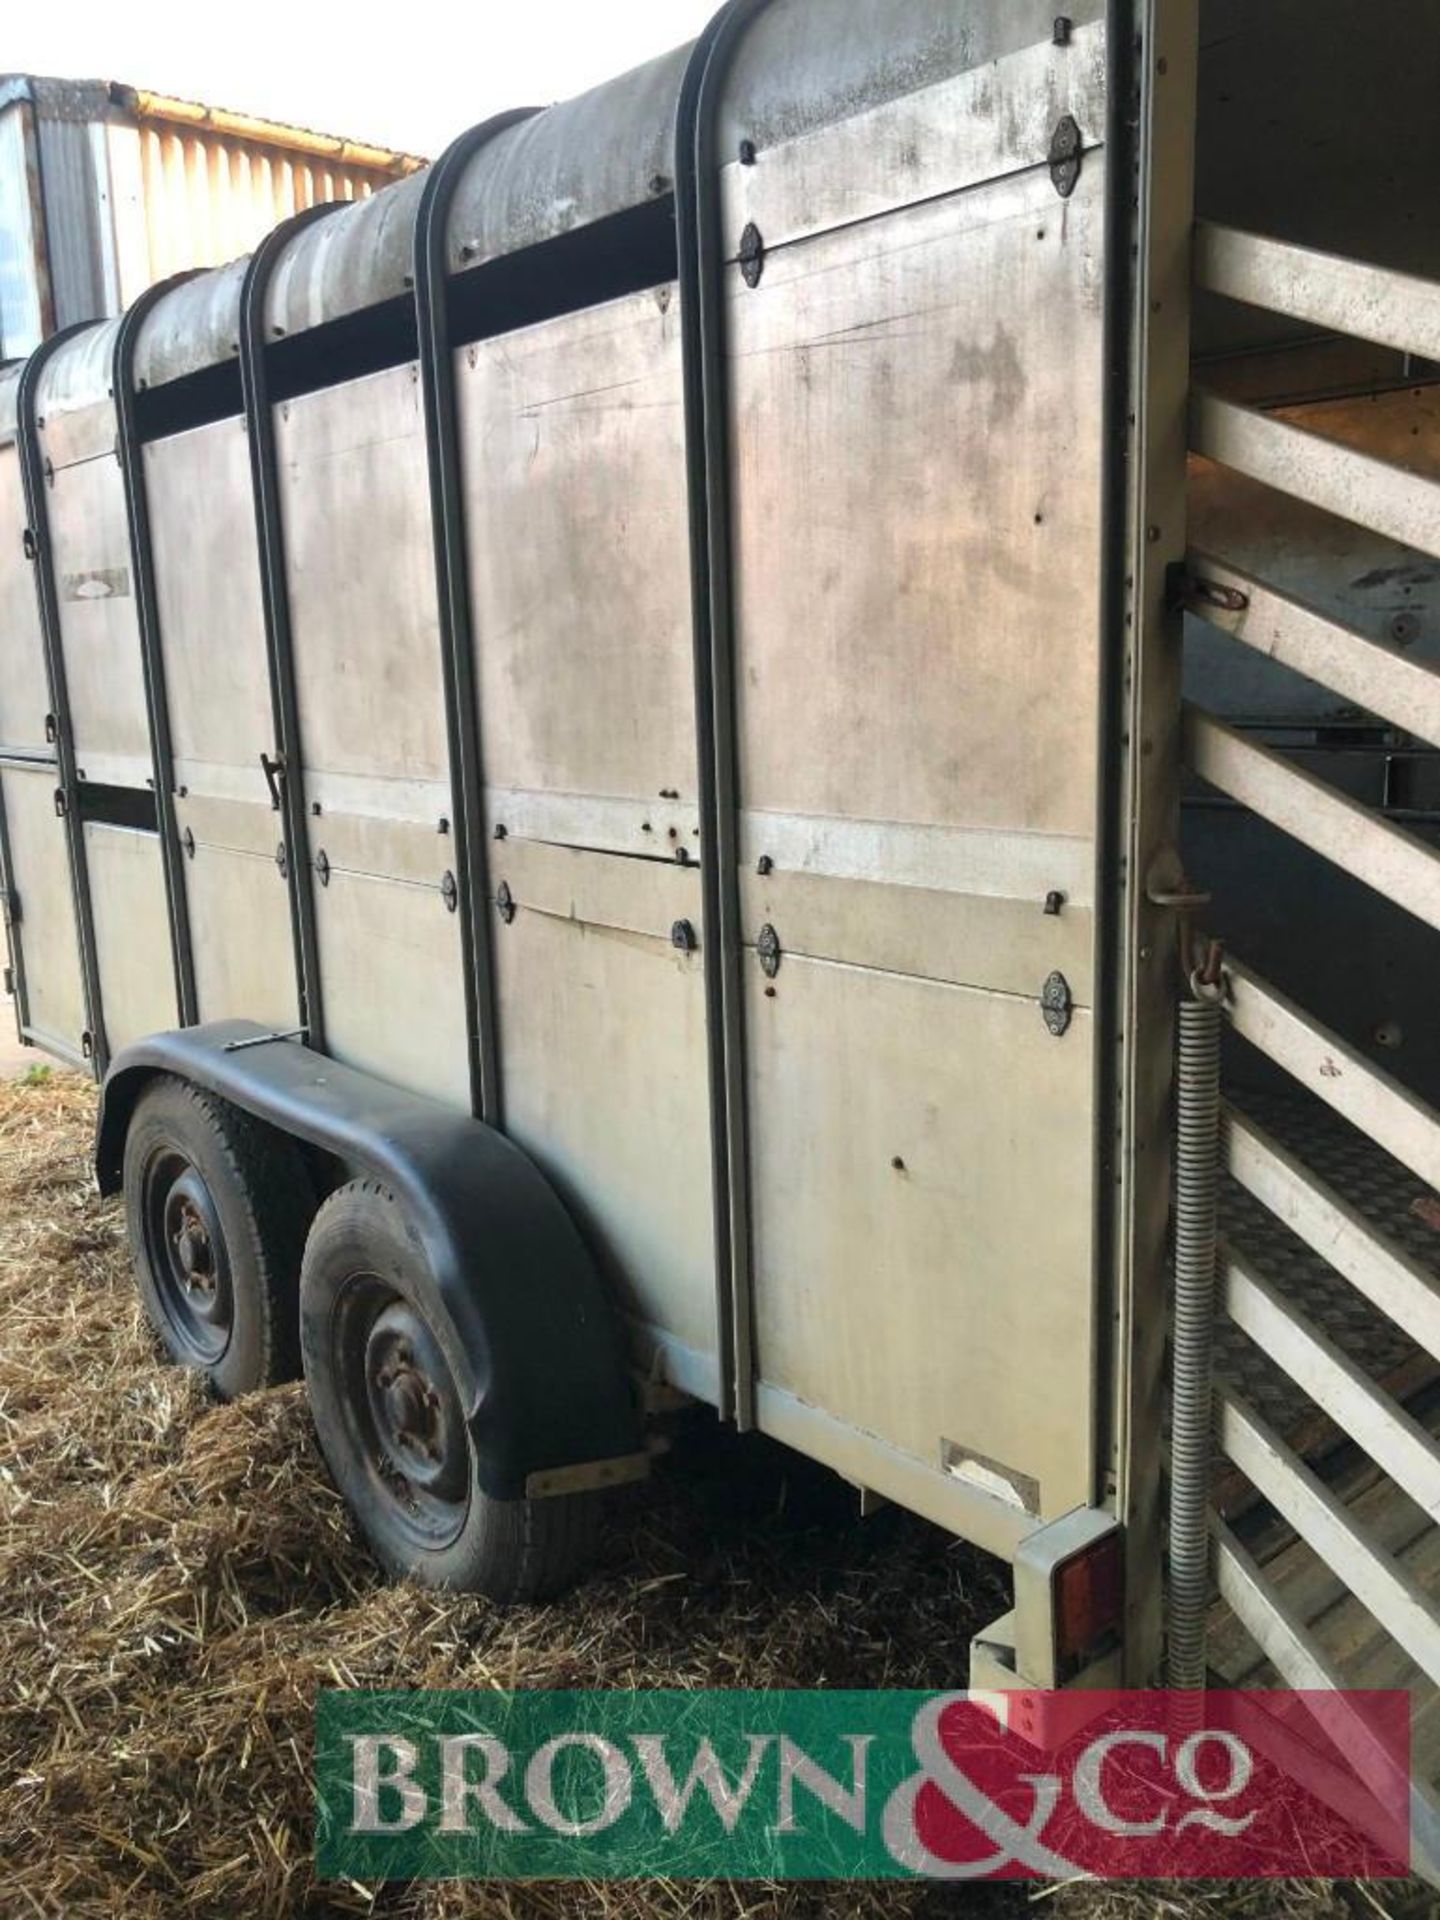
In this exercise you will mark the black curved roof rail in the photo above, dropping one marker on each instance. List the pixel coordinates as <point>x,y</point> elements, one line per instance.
<point>452,591</point>
<point>275,600</point>
<point>67,796</point>
<point>142,559</point>
<point>702,258</point>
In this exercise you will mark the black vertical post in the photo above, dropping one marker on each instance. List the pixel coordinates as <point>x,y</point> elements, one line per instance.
<point>289,788</point>
<point>142,559</point>
<point>14,939</point>
<point>453,562</point>
<point>702,309</point>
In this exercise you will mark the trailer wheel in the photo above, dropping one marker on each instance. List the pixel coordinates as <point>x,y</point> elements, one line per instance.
<point>390,1421</point>
<point>216,1207</point>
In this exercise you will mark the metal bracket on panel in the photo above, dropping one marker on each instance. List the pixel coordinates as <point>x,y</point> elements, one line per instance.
<point>770,951</point>
<point>505,903</point>
<point>322,867</point>
<point>52,730</point>
<point>684,938</point>
<point>450,893</point>
<point>62,805</point>
<point>282,860</point>
<point>28,543</point>
<point>1057,1004</point>
<point>187,841</point>
<point>1067,147</point>
<point>752,255</point>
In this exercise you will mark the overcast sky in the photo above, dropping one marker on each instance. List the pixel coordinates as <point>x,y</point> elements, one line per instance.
<point>410,75</point>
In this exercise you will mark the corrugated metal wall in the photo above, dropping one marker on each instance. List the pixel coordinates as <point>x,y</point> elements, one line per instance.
<point>131,197</point>
<point>22,300</point>
<point>205,199</point>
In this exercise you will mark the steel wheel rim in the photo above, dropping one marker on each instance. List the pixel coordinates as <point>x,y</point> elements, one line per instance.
<point>185,1251</point>
<point>402,1412</point>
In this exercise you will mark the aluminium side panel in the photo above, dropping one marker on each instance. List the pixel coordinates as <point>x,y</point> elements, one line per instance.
<point>217,682</point>
<point>132,931</point>
<point>575,495</point>
<point>94,576</point>
<point>44,941</point>
<point>95,587</point>
<point>916,390</point>
<point>24,685</point>
<point>375,766</point>
<point>44,937</point>
<point>99,640</point>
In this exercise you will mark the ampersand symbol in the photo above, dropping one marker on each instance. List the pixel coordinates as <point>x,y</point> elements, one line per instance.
<point>1012,1842</point>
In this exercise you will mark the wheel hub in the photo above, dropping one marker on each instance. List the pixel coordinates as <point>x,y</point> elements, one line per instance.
<point>191,1240</point>
<point>414,1406</point>
<point>185,1248</point>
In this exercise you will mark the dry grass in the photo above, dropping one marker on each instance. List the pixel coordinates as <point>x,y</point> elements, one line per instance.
<point>177,1579</point>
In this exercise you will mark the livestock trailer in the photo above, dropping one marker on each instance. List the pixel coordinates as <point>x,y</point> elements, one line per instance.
<point>627,756</point>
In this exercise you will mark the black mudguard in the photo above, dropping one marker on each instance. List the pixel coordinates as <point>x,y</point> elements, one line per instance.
<point>548,1384</point>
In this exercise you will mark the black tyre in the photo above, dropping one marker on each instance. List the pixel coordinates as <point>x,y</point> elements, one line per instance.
<point>380,1364</point>
<point>216,1206</point>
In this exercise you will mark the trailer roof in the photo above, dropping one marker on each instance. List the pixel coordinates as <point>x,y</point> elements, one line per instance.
<point>803,64</point>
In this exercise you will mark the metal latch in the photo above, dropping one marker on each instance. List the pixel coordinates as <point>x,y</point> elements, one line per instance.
<point>274,771</point>
<point>29,543</point>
